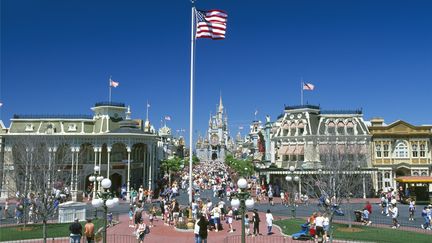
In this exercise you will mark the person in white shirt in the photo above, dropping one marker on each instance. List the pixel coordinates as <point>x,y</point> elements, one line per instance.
<point>319,227</point>
<point>394,213</point>
<point>269,221</point>
<point>326,226</point>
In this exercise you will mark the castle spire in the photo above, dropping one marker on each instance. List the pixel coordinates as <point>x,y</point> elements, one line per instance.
<point>220,103</point>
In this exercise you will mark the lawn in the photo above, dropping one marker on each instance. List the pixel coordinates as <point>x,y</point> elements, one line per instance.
<point>361,233</point>
<point>34,231</point>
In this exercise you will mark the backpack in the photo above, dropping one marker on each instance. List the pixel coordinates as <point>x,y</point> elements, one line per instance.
<point>147,230</point>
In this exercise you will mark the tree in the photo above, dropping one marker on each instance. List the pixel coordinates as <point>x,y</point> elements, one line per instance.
<point>172,164</point>
<point>242,167</point>
<point>338,175</point>
<point>39,163</point>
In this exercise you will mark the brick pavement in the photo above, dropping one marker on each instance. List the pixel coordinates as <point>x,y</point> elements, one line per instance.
<point>162,233</point>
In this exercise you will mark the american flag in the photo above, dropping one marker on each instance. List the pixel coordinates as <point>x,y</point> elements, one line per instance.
<point>308,86</point>
<point>113,83</point>
<point>167,118</point>
<point>211,24</point>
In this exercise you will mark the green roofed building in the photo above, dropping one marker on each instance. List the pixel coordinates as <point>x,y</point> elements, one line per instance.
<point>126,150</point>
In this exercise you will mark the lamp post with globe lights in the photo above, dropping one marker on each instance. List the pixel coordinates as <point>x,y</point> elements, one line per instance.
<point>242,200</point>
<point>105,199</point>
<point>290,178</point>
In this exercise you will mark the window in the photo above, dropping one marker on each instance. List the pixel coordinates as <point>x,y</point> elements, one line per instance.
<point>285,132</point>
<point>331,130</point>
<point>285,158</point>
<point>387,175</point>
<point>378,150</point>
<point>292,130</point>
<point>72,127</point>
<point>301,129</point>
<point>386,150</point>
<point>50,129</point>
<point>415,173</point>
<point>293,157</point>
<point>424,173</point>
<point>422,150</point>
<point>29,127</point>
<point>380,180</point>
<point>350,128</point>
<point>414,150</point>
<point>401,150</point>
<point>341,128</point>
<point>301,157</point>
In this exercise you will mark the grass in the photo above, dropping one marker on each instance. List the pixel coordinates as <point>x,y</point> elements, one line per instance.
<point>361,233</point>
<point>34,231</point>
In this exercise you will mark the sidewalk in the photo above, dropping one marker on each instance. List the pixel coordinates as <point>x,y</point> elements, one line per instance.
<point>162,233</point>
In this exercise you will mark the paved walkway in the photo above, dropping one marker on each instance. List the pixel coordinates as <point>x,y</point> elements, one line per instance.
<point>163,233</point>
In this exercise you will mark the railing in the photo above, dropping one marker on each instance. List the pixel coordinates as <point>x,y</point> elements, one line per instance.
<point>358,112</point>
<point>294,107</point>
<point>110,239</point>
<point>110,103</point>
<point>47,116</point>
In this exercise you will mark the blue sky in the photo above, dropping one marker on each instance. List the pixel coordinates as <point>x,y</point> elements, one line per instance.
<point>57,56</point>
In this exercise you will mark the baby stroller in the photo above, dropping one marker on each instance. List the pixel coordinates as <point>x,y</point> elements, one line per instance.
<point>337,210</point>
<point>303,234</point>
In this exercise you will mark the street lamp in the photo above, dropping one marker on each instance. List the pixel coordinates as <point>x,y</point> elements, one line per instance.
<point>292,179</point>
<point>242,200</point>
<point>105,199</point>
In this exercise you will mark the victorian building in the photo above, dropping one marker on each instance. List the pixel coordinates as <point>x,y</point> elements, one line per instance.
<point>215,145</point>
<point>399,149</point>
<point>126,150</point>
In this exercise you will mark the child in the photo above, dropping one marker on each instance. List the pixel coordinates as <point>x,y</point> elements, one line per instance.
<point>269,221</point>
<point>411,210</point>
<point>246,223</point>
<point>110,219</point>
<point>366,217</point>
<point>152,215</point>
<point>131,213</point>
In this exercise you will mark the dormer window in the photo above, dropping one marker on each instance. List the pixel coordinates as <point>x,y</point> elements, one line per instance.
<point>29,127</point>
<point>50,129</point>
<point>72,127</point>
<point>350,128</point>
<point>341,128</point>
<point>331,129</point>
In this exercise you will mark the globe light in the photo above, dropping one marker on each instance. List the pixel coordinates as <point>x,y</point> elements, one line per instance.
<point>250,203</point>
<point>116,201</point>
<point>288,178</point>
<point>242,183</point>
<point>106,183</point>
<point>110,203</point>
<point>99,178</point>
<point>292,168</point>
<point>92,178</point>
<point>96,168</point>
<point>296,178</point>
<point>97,203</point>
<point>235,203</point>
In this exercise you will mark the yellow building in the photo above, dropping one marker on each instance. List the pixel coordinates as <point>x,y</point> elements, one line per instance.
<point>399,149</point>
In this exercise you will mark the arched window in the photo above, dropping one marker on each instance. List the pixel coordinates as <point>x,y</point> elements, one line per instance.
<point>380,180</point>
<point>401,150</point>
<point>292,129</point>
<point>350,128</point>
<point>386,150</point>
<point>341,128</point>
<point>331,129</point>
<point>301,128</point>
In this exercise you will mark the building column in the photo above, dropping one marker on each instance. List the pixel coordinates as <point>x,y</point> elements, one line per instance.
<point>145,164</point>
<point>72,181</point>
<point>299,185</point>
<point>76,168</point>
<point>150,168</point>
<point>108,166</point>
<point>95,149</point>
<point>100,168</point>
<point>128,174</point>
<point>364,186</point>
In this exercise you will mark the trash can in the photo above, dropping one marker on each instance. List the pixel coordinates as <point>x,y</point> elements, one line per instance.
<point>358,215</point>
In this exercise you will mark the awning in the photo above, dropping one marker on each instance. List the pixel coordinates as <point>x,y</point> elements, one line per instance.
<point>300,150</point>
<point>291,149</point>
<point>414,179</point>
<point>283,150</point>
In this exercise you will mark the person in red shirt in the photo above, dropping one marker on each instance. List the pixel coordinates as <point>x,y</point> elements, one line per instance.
<point>368,206</point>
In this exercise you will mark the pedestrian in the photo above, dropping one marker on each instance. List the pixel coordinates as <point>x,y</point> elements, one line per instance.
<point>247,224</point>
<point>394,214</point>
<point>203,225</point>
<point>196,231</point>
<point>411,209</point>
<point>89,231</point>
<point>142,231</point>
<point>270,197</point>
<point>319,228</point>
<point>424,214</point>
<point>269,221</point>
<point>229,219</point>
<point>326,226</point>
<point>365,216</point>
<point>256,220</point>
<point>110,219</point>
<point>131,217</point>
<point>75,230</point>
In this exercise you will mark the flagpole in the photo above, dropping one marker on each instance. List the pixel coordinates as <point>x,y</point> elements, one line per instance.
<point>147,107</point>
<point>301,90</point>
<point>191,98</point>
<point>109,99</point>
